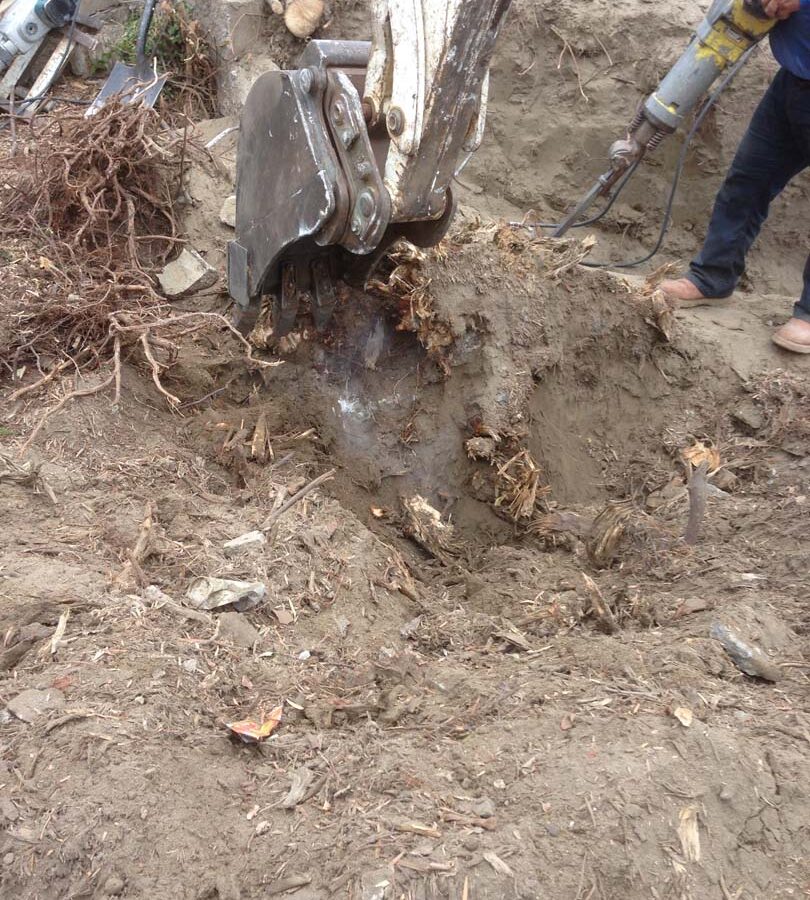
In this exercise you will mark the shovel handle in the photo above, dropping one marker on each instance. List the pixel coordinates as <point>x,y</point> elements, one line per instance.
<point>143,32</point>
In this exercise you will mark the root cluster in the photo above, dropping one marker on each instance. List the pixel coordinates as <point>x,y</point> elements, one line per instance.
<point>87,210</point>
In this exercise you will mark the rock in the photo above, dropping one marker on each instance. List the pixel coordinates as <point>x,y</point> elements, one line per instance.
<point>749,415</point>
<point>187,274</point>
<point>8,811</point>
<point>483,808</point>
<point>32,704</point>
<point>725,480</point>
<point>553,830</point>
<point>227,215</point>
<point>253,540</point>
<point>114,886</point>
<point>748,658</point>
<point>234,627</point>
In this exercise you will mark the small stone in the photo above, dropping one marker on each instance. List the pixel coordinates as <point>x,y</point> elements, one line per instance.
<point>227,215</point>
<point>114,886</point>
<point>470,842</point>
<point>483,808</point>
<point>8,860</point>
<point>253,540</point>
<point>472,586</point>
<point>553,830</point>
<point>726,794</point>
<point>8,810</point>
<point>187,274</point>
<point>30,705</point>
<point>234,627</point>
<point>499,784</point>
<point>749,415</point>
<point>725,480</point>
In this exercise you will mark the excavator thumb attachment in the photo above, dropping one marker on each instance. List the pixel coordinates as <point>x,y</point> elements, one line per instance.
<point>311,206</point>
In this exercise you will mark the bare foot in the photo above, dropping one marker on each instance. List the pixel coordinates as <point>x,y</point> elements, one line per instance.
<point>688,294</point>
<point>794,335</point>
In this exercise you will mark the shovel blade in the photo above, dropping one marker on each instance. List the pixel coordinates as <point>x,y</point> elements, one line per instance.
<point>127,86</point>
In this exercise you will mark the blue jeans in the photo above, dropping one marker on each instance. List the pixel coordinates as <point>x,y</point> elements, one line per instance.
<point>775,148</point>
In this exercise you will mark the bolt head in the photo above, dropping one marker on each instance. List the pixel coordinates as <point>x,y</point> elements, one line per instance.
<point>365,204</point>
<point>395,121</point>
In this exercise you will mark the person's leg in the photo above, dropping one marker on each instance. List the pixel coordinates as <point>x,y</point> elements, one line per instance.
<point>802,308</point>
<point>769,155</point>
<point>795,334</point>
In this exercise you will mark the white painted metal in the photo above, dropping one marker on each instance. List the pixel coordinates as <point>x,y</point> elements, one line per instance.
<point>412,45</point>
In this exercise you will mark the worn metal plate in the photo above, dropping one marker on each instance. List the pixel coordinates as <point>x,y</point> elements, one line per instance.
<point>286,177</point>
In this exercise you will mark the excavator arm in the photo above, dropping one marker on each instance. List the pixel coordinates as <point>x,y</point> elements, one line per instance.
<point>354,149</point>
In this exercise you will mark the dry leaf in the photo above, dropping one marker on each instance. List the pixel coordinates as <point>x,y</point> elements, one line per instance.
<point>700,452</point>
<point>251,731</point>
<point>378,512</point>
<point>689,834</point>
<point>683,715</point>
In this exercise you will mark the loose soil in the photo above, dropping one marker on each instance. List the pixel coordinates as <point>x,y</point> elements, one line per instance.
<point>498,706</point>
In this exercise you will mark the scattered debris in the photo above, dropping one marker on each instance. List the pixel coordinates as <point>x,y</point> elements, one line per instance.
<point>253,540</point>
<point>187,274</point>
<point>31,705</point>
<point>746,657</point>
<point>251,731</point>
<point>214,593</point>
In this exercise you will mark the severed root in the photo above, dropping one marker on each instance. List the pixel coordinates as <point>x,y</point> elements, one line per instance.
<point>698,489</point>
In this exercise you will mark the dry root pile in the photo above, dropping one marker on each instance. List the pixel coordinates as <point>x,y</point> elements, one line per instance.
<point>87,212</point>
<point>93,198</point>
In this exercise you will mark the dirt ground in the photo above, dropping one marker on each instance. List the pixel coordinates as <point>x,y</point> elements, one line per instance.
<point>523,700</point>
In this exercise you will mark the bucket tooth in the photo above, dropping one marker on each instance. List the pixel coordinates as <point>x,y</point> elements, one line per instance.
<point>286,302</point>
<point>324,298</point>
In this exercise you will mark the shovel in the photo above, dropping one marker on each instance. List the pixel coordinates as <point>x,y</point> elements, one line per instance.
<point>133,84</point>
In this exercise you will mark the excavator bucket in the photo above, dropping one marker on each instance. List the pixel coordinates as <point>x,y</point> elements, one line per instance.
<point>311,206</point>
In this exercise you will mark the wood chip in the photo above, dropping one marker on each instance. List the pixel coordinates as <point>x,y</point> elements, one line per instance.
<point>418,828</point>
<point>689,834</point>
<point>497,863</point>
